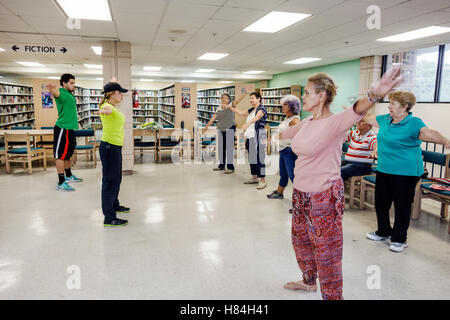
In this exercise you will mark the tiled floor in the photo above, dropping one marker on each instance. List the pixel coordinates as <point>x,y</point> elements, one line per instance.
<point>193,234</point>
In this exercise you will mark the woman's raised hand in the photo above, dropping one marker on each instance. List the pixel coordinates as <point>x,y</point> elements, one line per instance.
<point>389,80</point>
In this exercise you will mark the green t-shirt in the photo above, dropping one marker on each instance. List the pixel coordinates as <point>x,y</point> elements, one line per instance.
<point>399,150</point>
<point>113,123</point>
<point>67,110</point>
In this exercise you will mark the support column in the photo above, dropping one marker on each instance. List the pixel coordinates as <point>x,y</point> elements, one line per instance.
<point>116,59</point>
<point>370,71</point>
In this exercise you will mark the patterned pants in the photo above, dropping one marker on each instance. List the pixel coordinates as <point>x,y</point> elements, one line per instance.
<point>317,237</point>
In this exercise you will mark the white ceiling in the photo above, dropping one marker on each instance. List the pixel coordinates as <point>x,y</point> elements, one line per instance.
<point>213,26</point>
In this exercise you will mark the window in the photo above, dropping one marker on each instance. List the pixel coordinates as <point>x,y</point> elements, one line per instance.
<point>419,72</point>
<point>444,92</point>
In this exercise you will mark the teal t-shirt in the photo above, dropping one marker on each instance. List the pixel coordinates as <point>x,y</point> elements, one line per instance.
<point>399,150</point>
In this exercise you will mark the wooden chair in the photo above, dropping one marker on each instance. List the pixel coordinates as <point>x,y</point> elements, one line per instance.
<point>426,192</point>
<point>2,154</point>
<point>46,143</point>
<point>25,155</point>
<point>166,141</point>
<point>90,150</point>
<point>142,146</point>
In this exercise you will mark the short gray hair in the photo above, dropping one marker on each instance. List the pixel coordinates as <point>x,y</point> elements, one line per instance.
<point>293,102</point>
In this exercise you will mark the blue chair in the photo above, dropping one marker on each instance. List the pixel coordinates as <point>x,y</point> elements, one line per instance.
<point>89,149</point>
<point>22,128</point>
<point>25,155</point>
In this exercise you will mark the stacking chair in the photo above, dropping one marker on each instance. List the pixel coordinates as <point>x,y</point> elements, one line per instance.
<point>25,155</point>
<point>90,150</point>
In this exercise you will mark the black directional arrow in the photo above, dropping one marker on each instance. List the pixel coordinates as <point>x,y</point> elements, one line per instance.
<point>63,50</point>
<point>15,48</point>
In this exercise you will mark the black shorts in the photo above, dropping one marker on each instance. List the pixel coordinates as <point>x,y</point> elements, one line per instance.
<point>64,142</point>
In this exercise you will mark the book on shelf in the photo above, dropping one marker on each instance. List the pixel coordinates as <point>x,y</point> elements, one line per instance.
<point>15,89</point>
<point>16,106</point>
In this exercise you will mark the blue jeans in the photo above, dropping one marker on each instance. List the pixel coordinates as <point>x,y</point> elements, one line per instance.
<point>287,164</point>
<point>350,169</point>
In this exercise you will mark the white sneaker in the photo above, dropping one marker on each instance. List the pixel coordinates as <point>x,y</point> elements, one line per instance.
<point>398,247</point>
<point>261,185</point>
<point>373,236</point>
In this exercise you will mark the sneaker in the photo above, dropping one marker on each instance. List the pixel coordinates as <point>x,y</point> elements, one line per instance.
<point>115,223</point>
<point>398,247</point>
<point>373,236</point>
<point>218,169</point>
<point>261,185</point>
<point>228,171</point>
<point>275,195</point>
<point>122,209</point>
<point>73,178</point>
<point>64,187</point>
<point>251,181</point>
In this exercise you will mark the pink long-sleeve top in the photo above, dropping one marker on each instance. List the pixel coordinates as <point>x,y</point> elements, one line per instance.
<point>318,146</point>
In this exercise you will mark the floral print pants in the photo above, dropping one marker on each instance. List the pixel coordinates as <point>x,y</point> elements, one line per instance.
<point>317,237</point>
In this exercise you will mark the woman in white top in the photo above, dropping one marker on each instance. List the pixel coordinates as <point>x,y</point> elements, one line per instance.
<point>290,107</point>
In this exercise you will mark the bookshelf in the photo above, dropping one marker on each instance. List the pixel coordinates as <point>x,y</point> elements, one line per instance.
<point>16,106</point>
<point>208,100</point>
<point>271,98</point>
<point>171,108</point>
<point>148,109</point>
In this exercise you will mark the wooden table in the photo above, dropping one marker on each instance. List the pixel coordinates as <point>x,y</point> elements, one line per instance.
<point>32,132</point>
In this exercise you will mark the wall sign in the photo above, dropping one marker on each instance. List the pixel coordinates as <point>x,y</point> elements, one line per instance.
<point>27,48</point>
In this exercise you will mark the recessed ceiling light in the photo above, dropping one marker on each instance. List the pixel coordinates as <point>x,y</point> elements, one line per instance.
<point>93,66</point>
<point>152,68</point>
<point>30,64</point>
<point>99,79</point>
<point>86,9</point>
<point>212,56</point>
<point>54,78</point>
<point>225,81</point>
<point>205,70</point>
<point>416,34</point>
<point>97,50</point>
<point>302,60</point>
<point>276,21</point>
<point>146,80</point>
<point>253,72</point>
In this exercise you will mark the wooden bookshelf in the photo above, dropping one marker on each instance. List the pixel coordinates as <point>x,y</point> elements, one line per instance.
<point>16,106</point>
<point>271,98</point>
<point>208,100</point>
<point>171,110</point>
<point>148,109</point>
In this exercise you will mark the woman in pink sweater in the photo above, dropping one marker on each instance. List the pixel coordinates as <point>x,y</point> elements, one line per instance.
<point>318,198</point>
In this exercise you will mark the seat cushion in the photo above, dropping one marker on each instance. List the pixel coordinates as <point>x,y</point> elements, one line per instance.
<point>84,147</point>
<point>84,133</point>
<point>144,144</point>
<point>169,143</point>
<point>2,149</point>
<point>371,179</point>
<point>22,150</point>
<point>208,142</point>
<point>427,186</point>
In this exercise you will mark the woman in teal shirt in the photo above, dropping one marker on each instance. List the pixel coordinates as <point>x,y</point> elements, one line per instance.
<point>399,166</point>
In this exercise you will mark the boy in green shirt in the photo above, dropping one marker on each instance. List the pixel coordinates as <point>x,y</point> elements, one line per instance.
<point>64,140</point>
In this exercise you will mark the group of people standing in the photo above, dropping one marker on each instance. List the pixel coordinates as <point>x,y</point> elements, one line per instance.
<point>310,156</point>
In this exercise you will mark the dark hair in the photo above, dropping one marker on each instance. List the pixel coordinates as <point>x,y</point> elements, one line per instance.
<point>257,95</point>
<point>66,78</point>
<point>226,94</point>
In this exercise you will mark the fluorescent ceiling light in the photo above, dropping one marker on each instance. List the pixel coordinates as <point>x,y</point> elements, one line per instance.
<point>253,72</point>
<point>86,9</point>
<point>416,34</point>
<point>276,21</point>
<point>55,78</point>
<point>212,56</point>
<point>226,82</point>
<point>152,68</point>
<point>97,50</point>
<point>187,81</point>
<point>99,79</point>
<point>205,70</point>
<point>302,60</point>
<point>1,49</point>
<point>93,66</point>
<point>146,80</point>
<point>30,64</point>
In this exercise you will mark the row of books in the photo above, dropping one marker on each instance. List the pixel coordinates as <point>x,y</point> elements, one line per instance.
<point>275,92</point>
<point>276,118</point>
<point>273,109</point>
<point>15,99</point>
<point>165,108</point>
<point>167,92</point>
<point>168,100</point>
<point>147,93</point>
<point>208,101</point>
<point>167,119</point>
<point>13,89</point>
<point>216,92</point>
<point>16,118</point>
<point>207,108</point>
<point>15,109</point>
<point>204,115</point>
<point>146,113</point>
<point>148,100</point>
<point>272,101</point>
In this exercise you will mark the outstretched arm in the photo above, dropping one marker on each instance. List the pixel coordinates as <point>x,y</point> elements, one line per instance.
<point>239,99</point>
<point>243,113</point>
<point>54,90</point>
<point>426,134</point>
<point>210,122</point>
